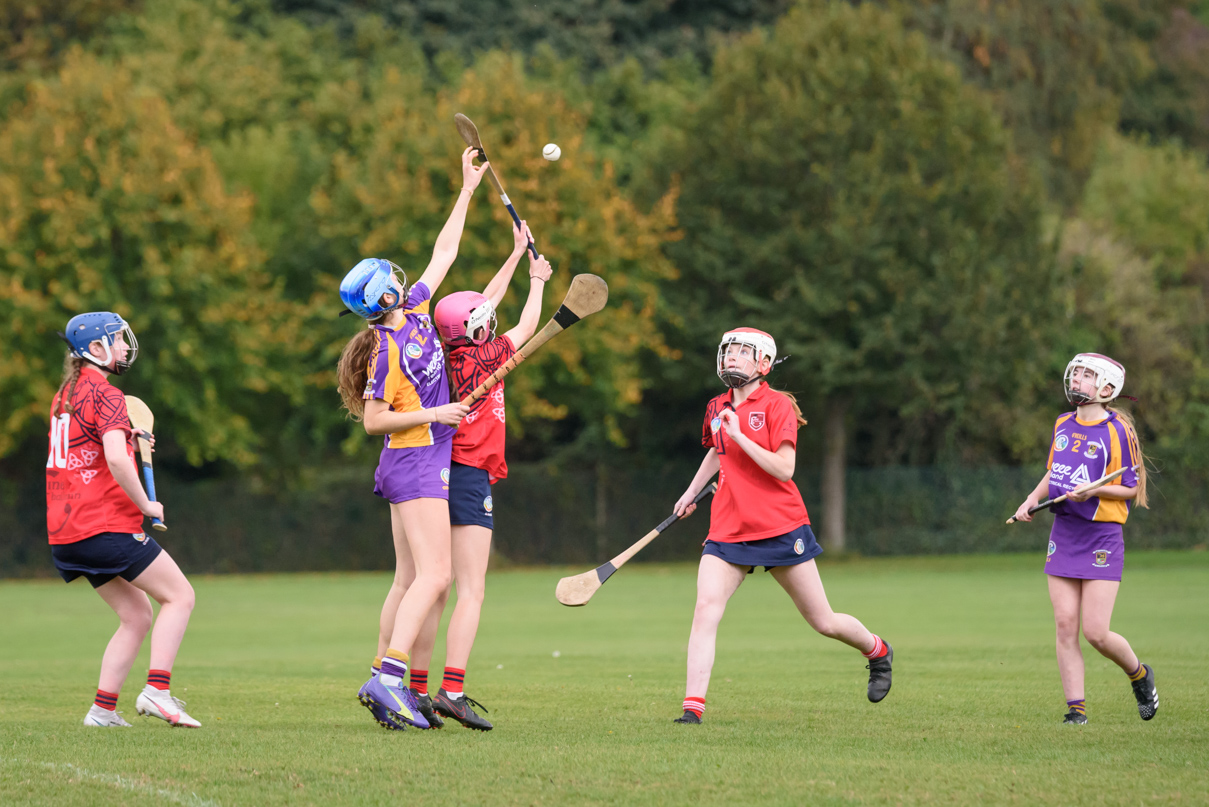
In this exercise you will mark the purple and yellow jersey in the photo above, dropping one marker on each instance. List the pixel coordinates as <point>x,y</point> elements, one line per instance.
<point>407,370</point>
<point>1083,452</point>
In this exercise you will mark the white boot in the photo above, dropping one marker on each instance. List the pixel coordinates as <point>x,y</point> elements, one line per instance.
<point>160,703</point>
<point>103,717</point>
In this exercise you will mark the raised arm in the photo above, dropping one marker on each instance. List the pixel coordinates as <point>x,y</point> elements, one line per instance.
<point>499,284</point>
<point>446,249</point>
<point>539,273</point>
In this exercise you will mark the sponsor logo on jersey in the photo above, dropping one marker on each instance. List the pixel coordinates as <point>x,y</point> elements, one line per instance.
<point>413,350</point>
<point>756,421</point>
<point>715,424</point>
<point>1080,476</point>
<point>799,546</point>
<point>436,365</point>
<point>487,504</point>
<point>1052,549</point>
<point>1101,557</point>
<point>1061,442</point>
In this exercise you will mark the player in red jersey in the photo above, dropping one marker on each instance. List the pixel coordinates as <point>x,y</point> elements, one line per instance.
<point>758,517</point>
<point>94,516</point>
<point>466,322</point>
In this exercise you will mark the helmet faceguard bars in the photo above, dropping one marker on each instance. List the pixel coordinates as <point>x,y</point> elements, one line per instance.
<point>465,318</point>
<point>763,347</point>
<point>363,287</point>
<point>104,327</point>
<point>1108,372</point>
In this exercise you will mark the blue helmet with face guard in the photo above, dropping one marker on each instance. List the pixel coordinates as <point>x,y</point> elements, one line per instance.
<point>104,327</point>
<point>365,285</point>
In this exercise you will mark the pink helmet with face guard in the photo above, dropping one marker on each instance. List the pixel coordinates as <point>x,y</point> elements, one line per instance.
<point>465,318</point>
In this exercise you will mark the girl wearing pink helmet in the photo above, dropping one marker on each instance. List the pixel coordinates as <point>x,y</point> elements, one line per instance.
<point>466,323</point>
<point>757,517</point>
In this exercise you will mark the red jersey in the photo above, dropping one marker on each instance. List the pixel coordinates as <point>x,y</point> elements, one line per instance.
<point>82,497</point>
<point>750,503</point>
<point>479,440</point>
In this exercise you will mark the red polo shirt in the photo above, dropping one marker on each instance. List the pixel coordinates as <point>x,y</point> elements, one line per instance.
<point>750,504</point>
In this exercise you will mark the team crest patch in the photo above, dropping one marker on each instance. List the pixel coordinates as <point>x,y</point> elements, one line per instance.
<point>413,350</point>
<point>1052,549</point>
<point>445,475</point>
<point>425,322</point>
<point>1092,448</point>
<point>715,424</point>
<point>1101,557</point>
<point>756,421</point>
<point>487,504</point>
<point>799,546</point>
<point>141,537</point>
<point>1061,442</point>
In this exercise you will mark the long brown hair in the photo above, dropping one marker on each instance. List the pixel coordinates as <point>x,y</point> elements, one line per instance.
<point>797,410</point>
<point>1124,416</point>
<point>352,371</point>
<point>72,365</point>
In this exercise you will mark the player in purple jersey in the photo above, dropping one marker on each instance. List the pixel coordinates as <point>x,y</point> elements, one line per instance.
<point>392,376</point>
<point>1086,547</point>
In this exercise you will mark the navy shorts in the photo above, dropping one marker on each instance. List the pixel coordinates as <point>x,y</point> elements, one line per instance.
<point>105,556</point>
<point>470,496</point>
<point>789,549</point>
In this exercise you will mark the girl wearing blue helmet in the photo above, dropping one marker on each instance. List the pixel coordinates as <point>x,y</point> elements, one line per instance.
<point>94,520</point>
<point>392,377</point>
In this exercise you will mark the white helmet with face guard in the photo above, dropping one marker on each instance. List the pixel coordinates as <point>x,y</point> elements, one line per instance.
<point>1107,371</point>
<point>762,347</point>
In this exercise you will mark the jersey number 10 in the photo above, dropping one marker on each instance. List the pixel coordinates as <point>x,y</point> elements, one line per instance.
<point>60,429</point>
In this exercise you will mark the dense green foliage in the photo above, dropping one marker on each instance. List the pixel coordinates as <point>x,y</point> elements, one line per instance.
<point>271,665</point>
<point>931,205</point>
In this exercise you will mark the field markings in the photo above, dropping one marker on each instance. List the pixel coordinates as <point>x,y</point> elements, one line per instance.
<point>191,799</point>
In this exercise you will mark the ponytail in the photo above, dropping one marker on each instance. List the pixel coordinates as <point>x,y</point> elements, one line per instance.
<point>72,365</point>
<point>1132,434</point>
<point>352,372</point>
<point>797,410</point>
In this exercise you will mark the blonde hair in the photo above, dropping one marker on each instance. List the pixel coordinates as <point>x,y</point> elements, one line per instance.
<point>797,410</point>
<point>352,372</point>
<point>72,365</point>
<point>1125,417</point>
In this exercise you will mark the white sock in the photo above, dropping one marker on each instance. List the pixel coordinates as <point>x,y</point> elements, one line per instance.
<point>453,695</point>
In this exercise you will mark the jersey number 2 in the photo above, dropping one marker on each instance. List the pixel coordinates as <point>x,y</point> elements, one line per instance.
<point>60,429</point>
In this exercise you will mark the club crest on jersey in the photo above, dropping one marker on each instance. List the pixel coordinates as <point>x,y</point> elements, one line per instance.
<point>413,350</point>
<point>756,421</point>
<point>1092,448</point>
<point>1101,556</point>
<point>1061,442</point>
<point>715,424</point>
<point>799,546</point>
<point>1052,549</point>
<point>487,504</point>
<point>424,321</point>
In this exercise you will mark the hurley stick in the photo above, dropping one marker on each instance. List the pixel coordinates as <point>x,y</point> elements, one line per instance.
<point>579,589</point>
<point>470,134</point>
<point>1099,483</point>
<point>144,422</point>
<point>587,295</point>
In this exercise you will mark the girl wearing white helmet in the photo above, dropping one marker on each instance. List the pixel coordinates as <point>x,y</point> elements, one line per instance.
<point>95,507</point>
<point>392,376</point>
<point>466,322</point>
<point>1086,548</point>
<point>758,517</point>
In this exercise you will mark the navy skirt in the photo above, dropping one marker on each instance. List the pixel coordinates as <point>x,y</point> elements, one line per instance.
<point>790,549</point>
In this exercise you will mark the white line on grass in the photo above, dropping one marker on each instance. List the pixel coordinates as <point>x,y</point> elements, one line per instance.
<point>192,799</point>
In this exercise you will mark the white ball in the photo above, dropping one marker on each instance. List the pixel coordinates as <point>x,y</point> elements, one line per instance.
<point>552,152</point>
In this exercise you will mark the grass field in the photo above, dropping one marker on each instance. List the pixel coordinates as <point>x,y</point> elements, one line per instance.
<point>271,665</point>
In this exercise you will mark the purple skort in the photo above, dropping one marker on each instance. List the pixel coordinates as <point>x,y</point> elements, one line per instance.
<point>420,472</point>
<point>1087,550</point>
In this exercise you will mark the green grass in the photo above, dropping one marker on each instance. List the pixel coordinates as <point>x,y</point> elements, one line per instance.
<point>271,665</point>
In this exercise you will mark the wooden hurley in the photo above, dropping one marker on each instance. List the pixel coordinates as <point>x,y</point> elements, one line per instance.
<point>587,295</point>
<point>1099,483</point>
<point>579,589</point>
<point>470,133</point>
<point>143,423</point>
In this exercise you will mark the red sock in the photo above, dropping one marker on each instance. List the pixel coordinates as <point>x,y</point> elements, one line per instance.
<point>695,705</point>
<point>454,679</point>
<point>106,700</point>
<point>419,681</point>
<point>159,678</point>
<point>879,648</point>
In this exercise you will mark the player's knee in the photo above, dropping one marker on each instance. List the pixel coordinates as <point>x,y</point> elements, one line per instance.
<point>1096,636</point>
<point>1067,627</point>
<point>137,618</point>
<point>827,626</point>
<point>708,609</point>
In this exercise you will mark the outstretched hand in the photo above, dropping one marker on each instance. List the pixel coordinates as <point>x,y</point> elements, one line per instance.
<point>540,269</point>
<point>472,174</point>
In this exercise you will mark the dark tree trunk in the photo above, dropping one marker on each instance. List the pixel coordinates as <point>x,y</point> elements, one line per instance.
<point>834,468</point>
